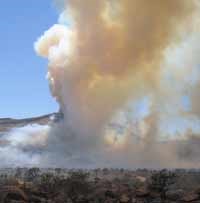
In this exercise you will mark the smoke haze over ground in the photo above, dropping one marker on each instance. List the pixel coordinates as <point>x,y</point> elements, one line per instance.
<point>105,57</point>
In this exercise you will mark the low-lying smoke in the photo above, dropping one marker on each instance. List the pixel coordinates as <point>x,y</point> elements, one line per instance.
<point>23,146</point>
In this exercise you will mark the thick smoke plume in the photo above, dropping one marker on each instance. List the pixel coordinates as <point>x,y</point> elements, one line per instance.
<point>112,51</point>
<point>107,54</point>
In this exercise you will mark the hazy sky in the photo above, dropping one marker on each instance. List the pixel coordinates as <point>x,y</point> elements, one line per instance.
<point>23,87</point>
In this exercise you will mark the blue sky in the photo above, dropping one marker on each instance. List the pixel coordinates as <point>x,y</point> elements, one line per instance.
<point>24,90</point>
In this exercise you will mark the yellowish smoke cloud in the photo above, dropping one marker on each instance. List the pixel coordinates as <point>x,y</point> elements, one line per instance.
<point>112,50</point>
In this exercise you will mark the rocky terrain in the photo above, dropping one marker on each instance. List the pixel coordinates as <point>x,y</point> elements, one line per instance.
<point>100,185</point>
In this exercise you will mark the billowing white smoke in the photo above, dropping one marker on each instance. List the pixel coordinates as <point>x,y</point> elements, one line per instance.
<point>23,146</point>
<point>109,54</point>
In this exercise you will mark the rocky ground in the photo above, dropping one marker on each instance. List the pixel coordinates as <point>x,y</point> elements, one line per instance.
<point>96,186</point>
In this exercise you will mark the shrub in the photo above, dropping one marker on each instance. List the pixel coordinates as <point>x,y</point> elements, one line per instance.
<point>161,180</point>
<point>77,185</point>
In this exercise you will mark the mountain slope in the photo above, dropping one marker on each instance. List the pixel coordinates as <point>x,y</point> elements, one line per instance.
<point>7,124</point>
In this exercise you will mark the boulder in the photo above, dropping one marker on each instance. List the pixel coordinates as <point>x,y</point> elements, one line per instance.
<point>141,179</point>
<point>124,198</point>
